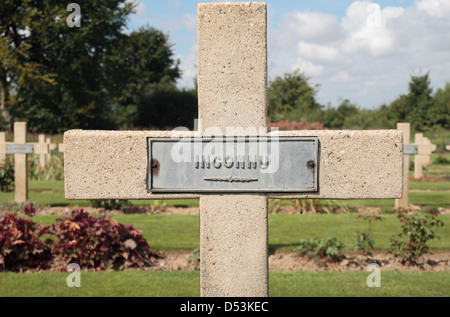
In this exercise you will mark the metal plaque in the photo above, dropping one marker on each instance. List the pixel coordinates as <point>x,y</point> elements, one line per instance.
<point>410,149</point>
<point>236,165</point>
<point>19,148</point>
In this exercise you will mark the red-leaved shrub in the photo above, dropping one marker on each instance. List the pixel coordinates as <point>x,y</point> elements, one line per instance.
<point>20,246</point>
<point>100,243</point>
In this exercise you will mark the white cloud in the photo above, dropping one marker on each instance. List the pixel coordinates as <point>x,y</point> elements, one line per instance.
<point>140,9</point>
<point>188,67</point>
<point>368,55</point>
<point>319,53</point>
<point>313,26</point>
<point>436,8</point>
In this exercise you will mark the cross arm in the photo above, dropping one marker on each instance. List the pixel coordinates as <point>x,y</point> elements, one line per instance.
<point>114,164</point>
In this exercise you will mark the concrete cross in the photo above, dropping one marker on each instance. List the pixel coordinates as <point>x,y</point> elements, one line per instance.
<point>232,92</point>
<point>51,147</point>
<point>408,149</point>
<point>20,148</point>
<point>41,140</point>
<point>3,155</point>
<point>425,148</point>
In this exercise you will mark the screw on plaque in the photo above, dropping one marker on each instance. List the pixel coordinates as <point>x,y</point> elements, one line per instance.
<point>155,167</point>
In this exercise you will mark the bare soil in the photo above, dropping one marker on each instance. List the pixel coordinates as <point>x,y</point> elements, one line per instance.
<point>195,210</point>
<point>281,260</point>
<point>293,261</point>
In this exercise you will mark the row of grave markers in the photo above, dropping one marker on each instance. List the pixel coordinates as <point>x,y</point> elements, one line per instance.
<point>44,159</point>
<point>421,149</point>
<point>20,148</point>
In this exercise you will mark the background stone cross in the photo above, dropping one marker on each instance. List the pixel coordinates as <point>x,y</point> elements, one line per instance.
<point>425,148</point>
<point>232,92</point>
<point>20,148</point>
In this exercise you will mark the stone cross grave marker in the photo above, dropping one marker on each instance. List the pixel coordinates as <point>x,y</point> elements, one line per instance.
<point>408,149</point>
<point>20,148</point>
<point>425,148</point>
<point>231,176</point>
<point>51,147</point>
<point>2,155</point>
<point>41,139</point>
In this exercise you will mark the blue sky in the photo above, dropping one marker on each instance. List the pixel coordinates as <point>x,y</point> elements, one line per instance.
<point>364,51</point>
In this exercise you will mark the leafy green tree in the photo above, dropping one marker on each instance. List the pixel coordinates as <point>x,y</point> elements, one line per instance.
<point>291,97</point>
<point>64,85</point>
<point>163,106</point>
<point>384,118</point>
<point>440,111</point>
<point>346,116</point>
<point>418,106</point>
<point>17,28</point>
<point>137,63</point>
<point>420,101</point>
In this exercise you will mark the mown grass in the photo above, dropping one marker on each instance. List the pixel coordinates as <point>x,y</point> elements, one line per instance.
<point>286,230</point>
<point>102,284</point>
<point>353,284</point>
<point>181,232</point>
<point>51,193</point>
<point>178,232</point>
<point>187,284</point>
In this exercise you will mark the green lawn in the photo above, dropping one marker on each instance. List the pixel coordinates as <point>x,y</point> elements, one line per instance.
<point>181,232</point>
<point>177,232</point>
<point>51,193</point>
<point>187,284</point>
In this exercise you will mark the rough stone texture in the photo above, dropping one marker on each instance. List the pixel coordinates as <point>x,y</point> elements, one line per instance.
<point>356,164</point>
<point>405,128</point>
<point>232,90</point>
<point>110,164</point>
<point>232,64</point>
<point>352,164</point>
<point>233,246</point>
<point>20,164</point>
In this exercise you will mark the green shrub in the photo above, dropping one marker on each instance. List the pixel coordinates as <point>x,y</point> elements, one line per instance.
<point>442,160</point>
<point>110,204</point>
<point>329,248</point>
<point>7,176</point>
<point>416,231</point>
<point>195,258</point>
<point>52,171</point>
<point>364,240</point>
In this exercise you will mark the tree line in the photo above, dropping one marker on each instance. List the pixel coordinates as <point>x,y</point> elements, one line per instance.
<point>97,76</point>
<point>291,97</point>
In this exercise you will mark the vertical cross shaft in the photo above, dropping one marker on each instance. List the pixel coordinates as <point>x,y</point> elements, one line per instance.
<point>20,164</point>
<point>232,89</point>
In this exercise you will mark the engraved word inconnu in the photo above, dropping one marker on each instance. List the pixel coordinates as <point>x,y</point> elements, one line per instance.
<point>230,161</point>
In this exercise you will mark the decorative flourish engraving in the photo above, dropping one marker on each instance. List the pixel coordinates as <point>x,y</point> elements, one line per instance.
<point>230,179</point>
